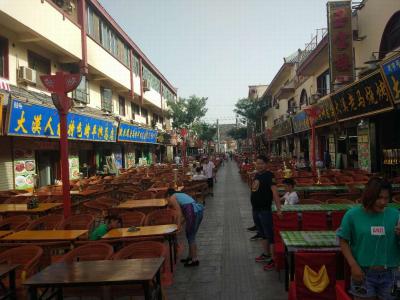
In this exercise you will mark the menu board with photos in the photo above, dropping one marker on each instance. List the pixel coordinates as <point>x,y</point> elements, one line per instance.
<point>363,145</point>
<point>365,97</point>
<point>24,168</point>
<point>73,167</point>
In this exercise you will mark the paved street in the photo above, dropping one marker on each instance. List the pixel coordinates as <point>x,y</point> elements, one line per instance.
<point>227,269</point>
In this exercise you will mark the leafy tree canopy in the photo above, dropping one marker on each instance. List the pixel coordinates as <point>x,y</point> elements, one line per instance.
<point>251,110</point>
<point>205,132</point>
<point>185,111</point>
<point>238,133</point>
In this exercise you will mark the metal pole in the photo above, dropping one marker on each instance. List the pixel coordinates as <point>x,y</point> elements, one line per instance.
<point>218,141</point>
<point>314,159</point>
<point>65,164</point>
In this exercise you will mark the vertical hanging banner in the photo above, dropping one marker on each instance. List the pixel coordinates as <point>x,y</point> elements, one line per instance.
<point>340,42</point>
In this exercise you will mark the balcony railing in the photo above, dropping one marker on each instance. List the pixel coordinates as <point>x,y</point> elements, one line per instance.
<point>310,47</point>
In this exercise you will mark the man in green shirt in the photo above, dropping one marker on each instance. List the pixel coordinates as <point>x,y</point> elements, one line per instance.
<point>370,242</point>
<point>111,222</point>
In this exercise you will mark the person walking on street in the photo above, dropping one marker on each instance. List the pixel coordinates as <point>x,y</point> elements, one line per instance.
<point>208,169</point>
<point>263,192</point>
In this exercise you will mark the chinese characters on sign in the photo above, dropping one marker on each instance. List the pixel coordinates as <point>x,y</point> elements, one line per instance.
<point>327,115</point>
<point>132,133</point>
<point>368,96</point>
<point>391,69</point>
<point>42,121</point>
<point>340,41</point>
<point>282,129</point>
<point>300,122</point>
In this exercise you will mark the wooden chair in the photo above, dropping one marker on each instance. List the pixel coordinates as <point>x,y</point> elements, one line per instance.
<point>162,217</point>
<point>144,195</point>
<point>15,223</point>
<point>78,222</point>
<point>314,221</point>
<point>28,257</point>
<point>88,252</point>
<point>133,218</point>
<point>48,222</point>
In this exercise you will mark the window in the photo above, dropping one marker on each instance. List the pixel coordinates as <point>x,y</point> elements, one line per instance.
<point>135,109</point>
<point>303,98</point>
<point>152,79</point>
<point>291,106</point>
<point>136,65</point>
<point>391,36</point>
<point>323,83</point>
<point>121,102</point>
<point>69,7</point>
<point>155,118</point>
<point>3,58</point>
<point>167,94</point>
<point>145,115</point>
<point>102,32</point>
<point>161,120</point>
<point>39,63</point>
<point>106,99</point>
<point>81,93</point>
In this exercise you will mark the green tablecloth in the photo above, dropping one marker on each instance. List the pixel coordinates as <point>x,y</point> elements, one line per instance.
<point>322,207</point>
<point>309,239</point>
<point>318,188</point>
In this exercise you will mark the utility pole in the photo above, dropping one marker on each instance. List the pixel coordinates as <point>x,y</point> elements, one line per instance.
<point>218,141</point>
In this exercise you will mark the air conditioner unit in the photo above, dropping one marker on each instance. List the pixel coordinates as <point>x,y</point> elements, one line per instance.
<point>27,75</point>
<point>146,85</point>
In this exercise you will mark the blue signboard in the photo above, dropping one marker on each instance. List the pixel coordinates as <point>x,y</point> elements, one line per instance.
<point>391,68</point>
<point>132,133</point>
<point>26,119</point>
<point>300,122</point>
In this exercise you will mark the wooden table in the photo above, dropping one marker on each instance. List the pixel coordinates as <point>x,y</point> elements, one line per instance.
<point>99,273</point>
<point>83,193</point>
<point>3,233</point>
<point>23,208</point>
<point>44,235</point>
<point>305,241</point>
<point>168,231</point>
<point>7,270</point>
<point>144,203</point>
<point>323,207</point>
<point>165,188</point>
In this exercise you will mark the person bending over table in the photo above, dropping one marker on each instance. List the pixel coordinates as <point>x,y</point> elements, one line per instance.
<point>370,242</point>
<point>290,197</point>
<point>263,191</point>
<point>192,211</point>
<point>111,222</point>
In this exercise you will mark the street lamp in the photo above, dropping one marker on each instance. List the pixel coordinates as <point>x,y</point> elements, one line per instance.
<point>59,85</point>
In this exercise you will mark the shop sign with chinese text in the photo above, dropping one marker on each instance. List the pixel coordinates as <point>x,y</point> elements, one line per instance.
<point>366,97</point>
<point>391,68</point>
<point>300,122</point>
<point>26,119</point>
<point>327,113</point>
<point>282,129</point>
<point>132,133</point>
<point>340,41</point>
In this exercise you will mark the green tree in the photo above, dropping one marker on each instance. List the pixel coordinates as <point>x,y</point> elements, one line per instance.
<point>185,111</point>
<point>238,133</point>
<point>205,132</point>
<point>251,111</point>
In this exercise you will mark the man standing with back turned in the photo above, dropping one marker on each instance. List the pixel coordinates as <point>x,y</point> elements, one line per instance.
<point>263,191</point>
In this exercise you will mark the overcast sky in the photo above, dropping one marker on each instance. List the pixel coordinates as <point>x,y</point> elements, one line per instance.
<point>216,48</point>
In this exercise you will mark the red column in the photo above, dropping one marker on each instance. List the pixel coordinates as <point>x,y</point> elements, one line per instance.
<point>314,159</point>
<point>65,164</point>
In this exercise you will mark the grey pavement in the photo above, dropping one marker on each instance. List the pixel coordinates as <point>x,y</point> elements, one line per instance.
<point>227,269</point>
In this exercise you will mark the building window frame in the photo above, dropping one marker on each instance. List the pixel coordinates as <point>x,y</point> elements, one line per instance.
<point>145,114</point>
<point>121,106</point>
<point>4,72</point>
<point>323,83</point>
<point>106,99</point>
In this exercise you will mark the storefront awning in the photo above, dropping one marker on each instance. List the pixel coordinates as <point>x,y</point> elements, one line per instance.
<point>282,129</point>
<point>300,122</point>
<point>136,134</point>
<point>327,114</point>
<point>33,120</point>
<point>365,97</point>
<point>391,70</point>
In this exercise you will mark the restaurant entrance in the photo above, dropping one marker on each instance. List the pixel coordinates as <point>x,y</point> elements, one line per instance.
<point>48,166</point>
